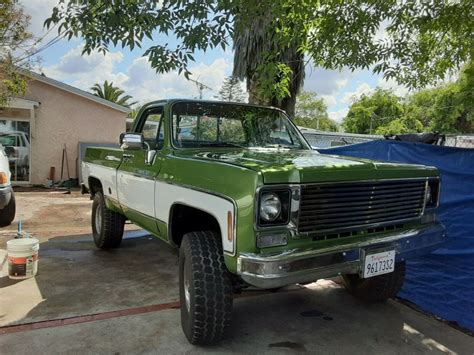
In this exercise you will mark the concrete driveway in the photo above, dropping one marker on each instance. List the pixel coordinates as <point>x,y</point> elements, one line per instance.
<point>85,300</point>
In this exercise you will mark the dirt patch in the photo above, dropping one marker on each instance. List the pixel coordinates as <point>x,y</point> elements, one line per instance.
<point>46,214</point>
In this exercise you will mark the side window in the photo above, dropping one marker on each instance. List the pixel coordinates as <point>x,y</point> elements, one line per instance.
<point>150,128</point>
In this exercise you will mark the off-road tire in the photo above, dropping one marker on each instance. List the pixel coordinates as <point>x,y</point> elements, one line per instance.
<point>7,214</point>
<point>378,288</point>
<point>108,231</point>
<point>206,315</point>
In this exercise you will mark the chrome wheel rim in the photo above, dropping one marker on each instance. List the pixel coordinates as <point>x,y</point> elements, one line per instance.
<point>187,294</point>
<point>98,218</point>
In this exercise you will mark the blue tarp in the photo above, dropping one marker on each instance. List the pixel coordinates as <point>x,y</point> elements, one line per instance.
<point>442,282</point>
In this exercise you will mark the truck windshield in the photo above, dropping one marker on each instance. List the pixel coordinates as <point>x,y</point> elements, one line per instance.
<point>197,124</point>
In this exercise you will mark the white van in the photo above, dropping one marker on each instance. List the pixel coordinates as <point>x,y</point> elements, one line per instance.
<point>7,197</point>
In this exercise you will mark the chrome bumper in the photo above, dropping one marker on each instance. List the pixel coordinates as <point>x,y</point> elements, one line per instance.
<point>294,266</point>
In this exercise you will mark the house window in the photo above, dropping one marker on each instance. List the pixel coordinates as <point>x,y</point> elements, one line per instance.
<point>15,139</point>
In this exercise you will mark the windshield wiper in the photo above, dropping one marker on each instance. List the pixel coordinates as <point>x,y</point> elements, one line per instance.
<point>221,144</point>
<point>283,146</point>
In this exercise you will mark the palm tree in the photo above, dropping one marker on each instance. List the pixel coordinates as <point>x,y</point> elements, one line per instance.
<point>252,40</point>
<point>112,93</point>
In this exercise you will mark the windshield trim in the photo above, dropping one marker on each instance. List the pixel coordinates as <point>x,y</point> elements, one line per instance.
<point>306,145</point>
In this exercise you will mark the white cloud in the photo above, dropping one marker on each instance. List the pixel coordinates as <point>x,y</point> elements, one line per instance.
<point>397,89</point>
<point>39,10</point>
<point>339,115</point>
<point>145,85</point>
<point>73,62</point>
<point>83,71</point>
<point>349,96</point>
<point>329,100</point>
<point>138,80</point>
<point>326,82</point>
<point>342,83</point>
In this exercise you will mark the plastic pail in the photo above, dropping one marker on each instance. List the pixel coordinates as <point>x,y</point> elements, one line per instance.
<point>22,258</point>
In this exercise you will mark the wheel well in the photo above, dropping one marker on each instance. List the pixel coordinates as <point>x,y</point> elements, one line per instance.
<point>185,219</point>
<point>94,185</point>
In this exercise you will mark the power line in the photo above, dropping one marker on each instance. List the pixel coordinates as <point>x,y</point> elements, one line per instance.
<point>200,86</point>
<point>56,39</point>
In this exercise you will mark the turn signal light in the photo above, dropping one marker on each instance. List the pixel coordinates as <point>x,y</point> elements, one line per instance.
<point>271,240</point>
<point>230,227</point>
<point>3,178</point>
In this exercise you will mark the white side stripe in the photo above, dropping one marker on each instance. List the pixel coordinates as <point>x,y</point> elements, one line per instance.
<point>166,195</point>
<point>155,198</point>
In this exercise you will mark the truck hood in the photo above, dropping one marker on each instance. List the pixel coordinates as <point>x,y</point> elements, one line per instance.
<point>303,166</point>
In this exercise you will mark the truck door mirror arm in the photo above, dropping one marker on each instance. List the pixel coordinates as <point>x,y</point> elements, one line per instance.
<point>150,156</point>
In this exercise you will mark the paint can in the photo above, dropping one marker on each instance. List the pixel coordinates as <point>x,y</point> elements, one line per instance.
<point>22,258</point>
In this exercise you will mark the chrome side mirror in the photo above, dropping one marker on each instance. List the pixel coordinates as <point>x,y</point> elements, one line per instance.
<point>131,141</point>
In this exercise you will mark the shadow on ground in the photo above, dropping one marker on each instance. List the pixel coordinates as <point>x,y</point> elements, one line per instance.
<point>77,279</point>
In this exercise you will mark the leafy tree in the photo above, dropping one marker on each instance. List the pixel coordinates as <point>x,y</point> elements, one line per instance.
<point>466,97</point>
<point>422,43</point>
<point>311,112</point>
<point>112,93</point>
<point>14,50</point>
<point>372,111</point>
<point>274,71</point>
<point>231,90</point>
<point>447,108</point>
<point>400,125</point>
<point>134,112</point>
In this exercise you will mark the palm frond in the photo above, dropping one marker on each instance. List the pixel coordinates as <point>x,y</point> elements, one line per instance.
<point>112,93</point>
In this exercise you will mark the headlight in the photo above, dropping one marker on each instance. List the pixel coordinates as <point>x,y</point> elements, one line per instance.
<point>270,207</point>
<point>273,207</point>
<point>432,193</point>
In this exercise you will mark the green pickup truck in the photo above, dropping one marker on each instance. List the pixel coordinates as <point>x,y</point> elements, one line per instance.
<point>246,200</point>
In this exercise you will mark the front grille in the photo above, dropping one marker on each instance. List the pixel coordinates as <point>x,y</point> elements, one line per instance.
<point>358,205</point>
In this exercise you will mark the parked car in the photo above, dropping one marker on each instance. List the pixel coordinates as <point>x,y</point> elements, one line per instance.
<point>248,203</point>
<point>17,146</point>
<point>7,197</point>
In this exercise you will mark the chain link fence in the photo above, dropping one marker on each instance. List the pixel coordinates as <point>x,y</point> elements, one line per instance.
<point>320,139</point>
<point>460,141</point>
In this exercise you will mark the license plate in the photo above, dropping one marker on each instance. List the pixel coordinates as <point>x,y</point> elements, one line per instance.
<point>379,263</point>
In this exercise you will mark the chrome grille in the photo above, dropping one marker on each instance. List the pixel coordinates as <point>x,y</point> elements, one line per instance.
<point>358,205</point>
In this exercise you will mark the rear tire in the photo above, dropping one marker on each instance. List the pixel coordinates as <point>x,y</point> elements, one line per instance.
<point>378,288</point>
<point>205,288</point>
<point>7,214</point>
<point>107,225</point>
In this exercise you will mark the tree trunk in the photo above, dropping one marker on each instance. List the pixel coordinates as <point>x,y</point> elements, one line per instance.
<point>287,104</point>
<point>254,97</point>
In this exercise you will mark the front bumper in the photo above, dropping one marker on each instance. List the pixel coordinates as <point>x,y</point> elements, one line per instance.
<point>297,266</point>
<point>5,196</point>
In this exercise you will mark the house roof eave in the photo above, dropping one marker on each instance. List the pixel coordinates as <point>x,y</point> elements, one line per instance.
<point>75,91</point>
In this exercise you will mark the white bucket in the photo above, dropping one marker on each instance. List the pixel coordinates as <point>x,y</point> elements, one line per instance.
<point>22,258</point>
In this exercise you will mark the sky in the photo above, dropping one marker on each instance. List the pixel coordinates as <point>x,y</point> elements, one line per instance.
<point>130,71</point>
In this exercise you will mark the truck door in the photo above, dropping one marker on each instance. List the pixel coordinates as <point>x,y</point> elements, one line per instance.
<point>136,175</point>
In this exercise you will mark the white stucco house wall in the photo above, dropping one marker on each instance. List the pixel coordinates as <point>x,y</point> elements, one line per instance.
<point>49,117</point>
